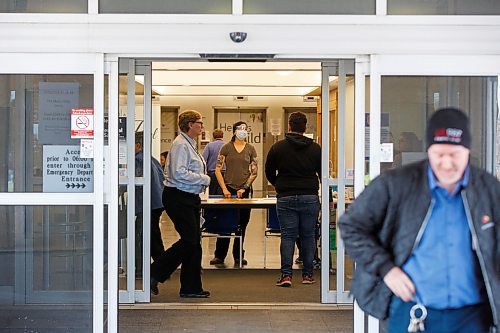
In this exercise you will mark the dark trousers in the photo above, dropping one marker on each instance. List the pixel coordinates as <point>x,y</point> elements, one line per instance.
<point>156,241</point>
<point>156,244</point>
<point>317,235</point>
<point>297,215</point>
<point>222,245</point>
<point>468,319</point>
<point>184,210</point>
<point>214,187</point>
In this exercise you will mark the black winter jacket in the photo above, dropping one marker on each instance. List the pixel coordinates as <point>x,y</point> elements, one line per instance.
<point>293,166</point>
<point>380,231</point>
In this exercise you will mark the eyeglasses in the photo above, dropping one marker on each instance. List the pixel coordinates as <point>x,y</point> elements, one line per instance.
<point>199,122</point>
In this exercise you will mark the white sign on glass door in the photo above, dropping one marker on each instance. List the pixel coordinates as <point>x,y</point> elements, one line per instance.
<point>55,101</point>
<point>65,171</point>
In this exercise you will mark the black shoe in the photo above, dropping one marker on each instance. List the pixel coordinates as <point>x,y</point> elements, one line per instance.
<point>201,294</point>
<point>216,261</point>
<point>244,262</point>
<point>154,286</point>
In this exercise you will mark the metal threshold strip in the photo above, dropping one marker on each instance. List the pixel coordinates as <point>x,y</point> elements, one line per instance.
<point>236,306</point>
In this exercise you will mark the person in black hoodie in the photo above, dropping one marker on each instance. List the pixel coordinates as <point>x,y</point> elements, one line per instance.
<point>293,167</point>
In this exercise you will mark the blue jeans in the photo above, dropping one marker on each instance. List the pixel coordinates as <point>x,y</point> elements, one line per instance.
<point>297,215</point>
<point>468,319</point>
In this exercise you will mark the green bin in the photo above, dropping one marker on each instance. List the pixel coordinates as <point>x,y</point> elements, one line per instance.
<point>333,239</point>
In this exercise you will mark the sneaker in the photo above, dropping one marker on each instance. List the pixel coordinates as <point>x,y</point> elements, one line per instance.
<point>216,261</point>
<point>298,261</point>
<point>307,279</point>
<point>284,281</point>
<point>244,262</point>
<point>317,263</point>
<point>154,286</point>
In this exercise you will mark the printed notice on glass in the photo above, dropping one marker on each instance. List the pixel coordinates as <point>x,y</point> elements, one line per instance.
<point>386,151</point>
<point>87,148</point>
<point>55,101</point>
<point>65,171</point>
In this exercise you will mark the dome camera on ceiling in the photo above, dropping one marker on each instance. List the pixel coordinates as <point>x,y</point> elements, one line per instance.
<point>238,37</point>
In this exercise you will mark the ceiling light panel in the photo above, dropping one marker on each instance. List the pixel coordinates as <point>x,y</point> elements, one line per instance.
<point>232,65</point>
<point>232,91</point>
<point>240,78</point>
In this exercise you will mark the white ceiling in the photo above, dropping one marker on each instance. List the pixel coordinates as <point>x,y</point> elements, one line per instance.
<point>235,79</point>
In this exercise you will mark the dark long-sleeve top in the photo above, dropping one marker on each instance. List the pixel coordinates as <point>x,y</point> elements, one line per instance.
<point>293,166</point>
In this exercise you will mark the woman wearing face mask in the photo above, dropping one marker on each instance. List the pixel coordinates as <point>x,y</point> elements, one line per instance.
<point>240,159</point>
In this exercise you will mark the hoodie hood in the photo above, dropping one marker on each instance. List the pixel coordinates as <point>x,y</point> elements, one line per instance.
<point>298,141</point>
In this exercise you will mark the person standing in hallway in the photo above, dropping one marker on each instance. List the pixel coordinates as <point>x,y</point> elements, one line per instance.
<point>156,246</point>
<point>210,154</point>
<point>240,159</point>
<point>293,167</point>
<point>185,178</point>
<point>163,159</point>
<point>426,235</point>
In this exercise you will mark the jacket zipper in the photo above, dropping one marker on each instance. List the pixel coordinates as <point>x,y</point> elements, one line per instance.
<point>422,228</point>
<point>475,244</point>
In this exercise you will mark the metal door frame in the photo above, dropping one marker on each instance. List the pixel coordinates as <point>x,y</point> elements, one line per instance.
<point>360,72</point>
<point>133,67</point>
<point>339,68</point>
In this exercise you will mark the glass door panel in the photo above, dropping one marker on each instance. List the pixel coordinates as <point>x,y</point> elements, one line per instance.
<point>338,130</point>
<point>51,193</point>
<point>134,186</point>
<point>405,91</point>
<point>408,101</point>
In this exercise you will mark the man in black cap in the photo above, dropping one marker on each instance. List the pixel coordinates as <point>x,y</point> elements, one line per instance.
<point>425,239</point>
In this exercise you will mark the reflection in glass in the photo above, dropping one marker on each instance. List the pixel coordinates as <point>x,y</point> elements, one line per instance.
<point>407,103</point>
<point>43,6</point>
<point>37,153</point>
<point>165,7</point>
<point>321,7</point>
<point>443,7</point>
<point>47,257</point>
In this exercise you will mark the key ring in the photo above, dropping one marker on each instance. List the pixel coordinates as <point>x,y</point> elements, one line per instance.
<point>416,307</point>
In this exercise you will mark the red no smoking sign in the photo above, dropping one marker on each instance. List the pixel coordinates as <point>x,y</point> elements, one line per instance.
<point>82,123</point>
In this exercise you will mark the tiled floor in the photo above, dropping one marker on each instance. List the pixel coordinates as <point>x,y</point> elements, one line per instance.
<point>241,321</point>
<point>254,243</point>
<point>46,319</point>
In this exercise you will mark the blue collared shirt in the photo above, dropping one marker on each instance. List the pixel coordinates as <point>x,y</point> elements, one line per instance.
<point>444,266</point>
<point>211,152</point>
<point>185,168</point>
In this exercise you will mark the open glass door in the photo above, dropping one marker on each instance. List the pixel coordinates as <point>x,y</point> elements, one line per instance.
<point>134,133</point>
<point>406,91</point>
<point>337,140</point>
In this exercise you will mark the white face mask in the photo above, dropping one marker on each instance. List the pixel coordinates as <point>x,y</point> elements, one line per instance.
<point>241,134</point>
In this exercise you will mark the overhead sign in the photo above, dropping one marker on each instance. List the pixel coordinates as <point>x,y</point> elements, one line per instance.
<point>65,171</point>
<point>82,123</point>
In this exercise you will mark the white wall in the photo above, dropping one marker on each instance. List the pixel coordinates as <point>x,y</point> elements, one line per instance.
<point>206,104</point>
